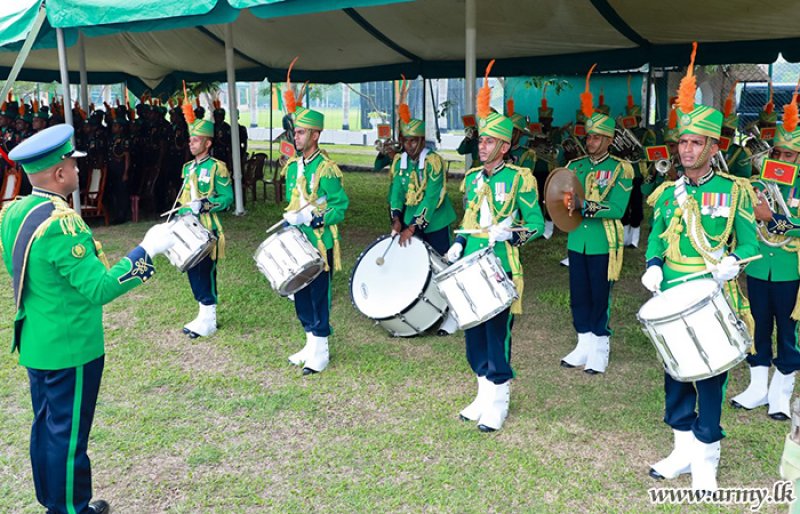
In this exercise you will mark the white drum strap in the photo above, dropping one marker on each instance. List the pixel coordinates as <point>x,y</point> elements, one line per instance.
<point>486,218</point>
<point>693,225</point>
<point>193,193</point>
<point>420,162</point>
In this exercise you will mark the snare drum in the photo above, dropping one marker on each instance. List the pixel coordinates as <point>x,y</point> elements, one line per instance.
<point>399,294</point>
<point>476,288</point>
<point>193,242</point>
<point>695,330</point>
<point>289,261</point>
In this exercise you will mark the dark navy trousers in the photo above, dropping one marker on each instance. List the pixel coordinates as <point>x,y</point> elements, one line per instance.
<point>696,406</point>
<point>589,293</point>
<point>771,304</point>
<point>489,348</point>
<point>313,303</point>
<point>203,279</point>
<point>63,407</point>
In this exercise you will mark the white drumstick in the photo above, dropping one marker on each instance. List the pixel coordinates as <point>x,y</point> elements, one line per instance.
<point>709,270</point>
<point>380,260</point>
<point>486,231</point>
<point>281,221</point>
<point>176,209</point>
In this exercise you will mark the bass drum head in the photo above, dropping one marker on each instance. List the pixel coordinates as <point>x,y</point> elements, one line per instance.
<point>380,292</point>
<point>678,299</point>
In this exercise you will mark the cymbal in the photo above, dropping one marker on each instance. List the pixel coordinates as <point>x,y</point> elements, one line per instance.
<point>559,182</point>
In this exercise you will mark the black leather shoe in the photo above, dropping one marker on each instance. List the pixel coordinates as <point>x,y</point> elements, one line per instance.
<point>309,371</point>
<point>655,474</point>
<point>442,333</point>
<point>779,416</point>
<point>192,335</point>
<point>186,330</point>
<point>100,507</point>
<point>736,405</point>
<point>565,364</point>
<point>485,429</point>
<point>592,371</point>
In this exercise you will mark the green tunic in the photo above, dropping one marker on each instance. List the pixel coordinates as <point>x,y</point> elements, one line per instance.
<point>509,191</point>
<point>780,263</point>
<point>723,203</point>
<point>210,179</point>
<point>59,321</point>
<point>321,183</point>
<point>607,185</point>
<point>738,160</point>
<point>419,197</point>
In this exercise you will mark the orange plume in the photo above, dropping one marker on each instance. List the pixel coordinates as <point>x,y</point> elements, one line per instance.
<point>544,97</point>
<point>770,106</point>
<point>510,107</point>
<point>35,105</point>
<point>196,100</point>
<point>188,112</point>
<point>586,96</point>
<point>403,110</point>
<point>302,94</point>
<point>10,95</point>
<point>21,109</point>
<point>113,113</point>
<point>171,102</point>
<point>688,87</point>
<point>728,110</point>
<point>485,94</point>
<point>289,100</point>
<point>790,112</point>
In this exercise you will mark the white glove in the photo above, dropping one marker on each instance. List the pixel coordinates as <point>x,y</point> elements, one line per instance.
<point>498,233</point>
<point>158,239</point>
<point>455,251</point>
<point>196,206</point>
<point>727,269</point>
<point>301,217</point>
<point>652,278</point>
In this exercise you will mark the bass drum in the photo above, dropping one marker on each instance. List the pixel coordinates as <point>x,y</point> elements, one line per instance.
<point>399,294</point>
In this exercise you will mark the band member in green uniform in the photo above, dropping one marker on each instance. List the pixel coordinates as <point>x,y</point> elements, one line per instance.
<point>773,282</point>
<point>61,280</point>
<point>418,201</point>
<point>206,192</point>
<point>695,222</point>
<point>317,205</point>
<point>595,246</point>
<point>500,197</point>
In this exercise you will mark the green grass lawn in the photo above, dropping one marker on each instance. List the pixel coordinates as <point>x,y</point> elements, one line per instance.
<point>225,424</point>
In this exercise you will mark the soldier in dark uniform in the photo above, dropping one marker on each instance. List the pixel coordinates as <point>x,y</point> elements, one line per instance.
<point>177,152</point>
<point>221,150</point>
<point>119,162</point>
<point>23,131</point>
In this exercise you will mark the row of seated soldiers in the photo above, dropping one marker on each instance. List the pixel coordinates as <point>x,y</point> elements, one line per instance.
<point>141,151</point>
<point>542,147</point>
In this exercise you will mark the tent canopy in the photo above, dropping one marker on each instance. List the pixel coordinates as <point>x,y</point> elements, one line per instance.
<point>364,40</point>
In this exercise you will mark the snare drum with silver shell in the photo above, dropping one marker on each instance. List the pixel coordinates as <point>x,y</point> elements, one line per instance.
<point>289,261</point>
<point>476,288</point>
<point>193,242</point>
<point>399,293</point>
<point>695,330</point>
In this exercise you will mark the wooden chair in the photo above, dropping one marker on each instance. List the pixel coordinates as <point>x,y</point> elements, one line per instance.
<point>277,180</point>
<point>12,180</point>
<point>92,197</point>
